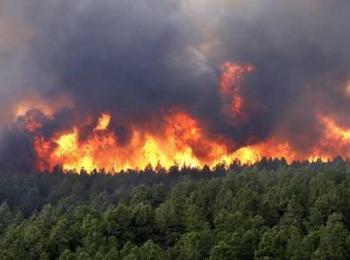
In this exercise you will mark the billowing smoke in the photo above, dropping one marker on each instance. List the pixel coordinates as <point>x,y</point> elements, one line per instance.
<point>138,60</point>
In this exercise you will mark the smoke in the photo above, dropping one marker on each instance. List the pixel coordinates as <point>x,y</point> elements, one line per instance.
<point>139,59</point>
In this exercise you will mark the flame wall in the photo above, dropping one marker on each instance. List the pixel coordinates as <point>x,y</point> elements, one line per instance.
<point>182,82</point>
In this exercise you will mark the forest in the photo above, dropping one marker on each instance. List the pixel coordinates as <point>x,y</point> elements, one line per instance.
<point>269,210</point>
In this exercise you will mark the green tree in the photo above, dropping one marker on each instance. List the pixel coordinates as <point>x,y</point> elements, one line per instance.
<point>333,240</point>
<point>67,255</point>
<point>151,251</point>
<point>112,254</point>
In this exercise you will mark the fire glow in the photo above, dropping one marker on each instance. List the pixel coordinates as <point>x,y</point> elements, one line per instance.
<point>183,143</point>
<point>183,139</point>
<point>231,82</point>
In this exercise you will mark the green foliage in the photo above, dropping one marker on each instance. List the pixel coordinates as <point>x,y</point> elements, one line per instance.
<point>266,211</point>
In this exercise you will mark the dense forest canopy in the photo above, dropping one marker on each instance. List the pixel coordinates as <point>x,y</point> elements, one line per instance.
<point>269,210</point>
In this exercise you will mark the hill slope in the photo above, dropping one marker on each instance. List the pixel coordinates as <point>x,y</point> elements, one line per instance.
<point>268,210</point>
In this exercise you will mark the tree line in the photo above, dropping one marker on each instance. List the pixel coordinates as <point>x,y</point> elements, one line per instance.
<point>269,210</point>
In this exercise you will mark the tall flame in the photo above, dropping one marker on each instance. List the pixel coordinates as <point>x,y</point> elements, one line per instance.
<point>183,140</point>
<point>231,84</point>
<point>179,144</point>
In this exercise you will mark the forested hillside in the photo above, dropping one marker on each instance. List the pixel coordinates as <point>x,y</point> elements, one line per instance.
<point>266,211</point>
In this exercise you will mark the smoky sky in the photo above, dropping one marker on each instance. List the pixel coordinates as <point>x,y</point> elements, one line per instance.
<point>138,59</point>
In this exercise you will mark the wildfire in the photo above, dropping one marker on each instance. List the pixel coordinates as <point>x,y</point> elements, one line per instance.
<point>179,144</point>
<point>183,142</point>
<point>103,122</point>
<point>335,131</point>
<point>182,139</point>
<point>231,83</point>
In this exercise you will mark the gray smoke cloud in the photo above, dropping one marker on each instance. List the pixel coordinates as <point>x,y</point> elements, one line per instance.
<point>138,59</point>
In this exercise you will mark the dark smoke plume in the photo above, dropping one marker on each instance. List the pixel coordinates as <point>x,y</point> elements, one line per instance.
<point>138,59</point>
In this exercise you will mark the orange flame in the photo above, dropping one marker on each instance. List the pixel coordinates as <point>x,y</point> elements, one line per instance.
<point>231,82</point>
<point>103,122</point>
<point>183,140</point>
<point>179,144</point>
